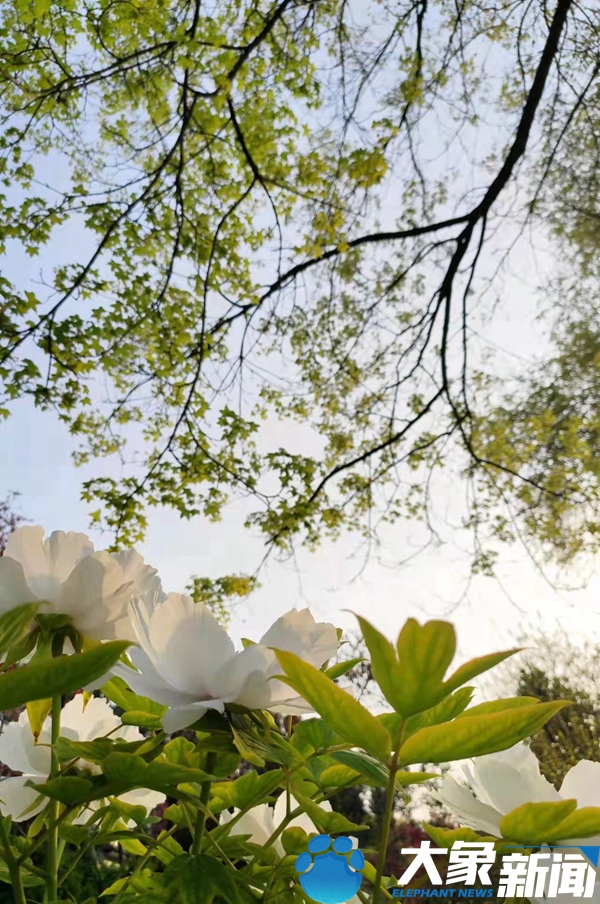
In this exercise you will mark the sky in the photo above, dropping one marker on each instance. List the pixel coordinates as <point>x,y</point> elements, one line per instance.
<point>338,579</point>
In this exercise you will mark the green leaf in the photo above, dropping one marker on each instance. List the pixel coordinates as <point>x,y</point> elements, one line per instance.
<point>330,823</point>
<point>115,887</point>
<point>142,719</point>
<point>376,773</point>
<point>424,653</point>
<point>116,690</point>
<point>15,625</point>
<point>37,710</point>
<point>58,676</point>
<point>445,838</point>
<point>70,790</point>
<point>445,711</point>
<point>342,668</point>
<point>246,791</point>
<point>476,667</point>
<point>294,840</point>
<point>158,775</point>
<point>583,823</point>
<point>339,709</point>
<point>313,736</point>
<point>384,665</point>
<point>198,879</point>
<point>536,823</point>
<point>477,735</point>
<point>496,706</point>
<point>28,879</point>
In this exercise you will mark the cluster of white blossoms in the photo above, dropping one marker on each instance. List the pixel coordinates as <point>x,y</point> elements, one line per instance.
<point>21,753</point>
<point>181,658</point>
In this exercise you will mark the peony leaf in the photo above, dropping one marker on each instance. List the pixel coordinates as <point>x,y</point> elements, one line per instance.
<point>329,823</point>
<point>142,720</point>
<point>198,879</point>
<point>247,791</point>
<point>476,667</point>
<point>60,675</point>
<point>313,735</point>
<point>424,654</point>
<point>582,823</point>
<point>294,840</point>
<point>116,690</point>
<point>384,665</point>
<point>495,706</point>
<point>71,790</point>
<point>15,625</point>
<point>158,775</point>
<point>376,773</point>
<point>445,838</point>
<point>445,711</point>
<point>340,710</point>
<point>535,824</point>
<point>342,668</point>
<point>37,710</point>
<point>477,735</point>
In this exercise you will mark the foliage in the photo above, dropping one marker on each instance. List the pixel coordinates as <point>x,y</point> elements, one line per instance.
<point>226,168</point>
<point>85,805</point>
<point>573,734</point>
<point>9,520</point>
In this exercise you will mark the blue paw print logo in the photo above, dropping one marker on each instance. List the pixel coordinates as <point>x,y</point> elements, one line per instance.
<point>331,876</point>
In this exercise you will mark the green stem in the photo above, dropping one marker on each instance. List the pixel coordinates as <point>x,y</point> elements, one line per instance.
<point>14,868</point>
<point>388,815</point>
<point>53,811</point>
<point>204,798</point>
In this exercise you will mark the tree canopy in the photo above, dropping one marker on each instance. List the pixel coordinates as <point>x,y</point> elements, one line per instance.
<point>293,210</point>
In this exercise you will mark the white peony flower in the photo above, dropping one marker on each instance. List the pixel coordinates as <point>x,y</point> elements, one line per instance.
<point>187,661</point>
<point>500,782</point>
<point>260,822</point>
<point>20,753</point>
<point>65,572</point>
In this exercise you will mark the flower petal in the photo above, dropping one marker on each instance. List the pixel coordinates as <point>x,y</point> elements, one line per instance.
<point>47,563</point>
<point>13,586</point>
<point>19,751</point>
<point>147,682</point>
<point>16,798</point>
<point>178,717</point>
<point>461,802</point>
<point>95,721</point>
<point>185,642</point>
<point>257,823</point>
<point>143,797</point>
<point>298,632</point>
<point>582,783</point>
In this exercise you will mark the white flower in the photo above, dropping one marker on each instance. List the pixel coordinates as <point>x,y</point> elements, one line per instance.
<point>260,822</point>
<point>187,661</point>
<point>500,782</point>
<point>70,578</point>
<point>20,753</point>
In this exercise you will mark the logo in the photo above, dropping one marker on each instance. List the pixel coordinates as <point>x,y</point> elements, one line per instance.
<point>327,874</point>
<point>547,873</point>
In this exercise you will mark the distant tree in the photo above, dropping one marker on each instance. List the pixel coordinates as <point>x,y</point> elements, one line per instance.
<point>9,520</point>
<point>560,670</point>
